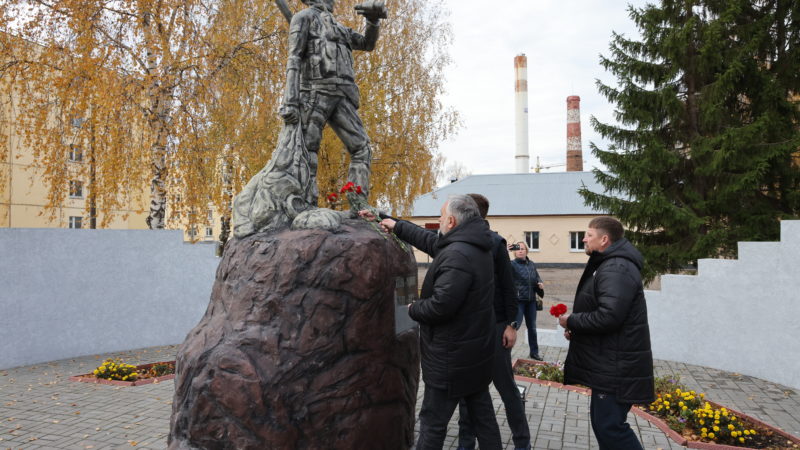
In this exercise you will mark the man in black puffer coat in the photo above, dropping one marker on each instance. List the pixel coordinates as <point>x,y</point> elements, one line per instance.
<point>456,317</point>
<point>609,336</point>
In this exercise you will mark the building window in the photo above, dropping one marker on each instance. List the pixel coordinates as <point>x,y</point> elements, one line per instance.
<point>576,240</point>
<point>75,153</point>
<point>193,232</point>
<point>75,222</point>
<point>209,232</point>
<point>532,239</point>
<point>75,189</point>
<point>210,217</point>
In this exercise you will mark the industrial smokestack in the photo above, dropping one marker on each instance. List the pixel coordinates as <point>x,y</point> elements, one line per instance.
<point>574,151</point>
<point>522,159</point>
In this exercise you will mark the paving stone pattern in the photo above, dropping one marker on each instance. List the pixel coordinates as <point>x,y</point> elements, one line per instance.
<point>41,409</point>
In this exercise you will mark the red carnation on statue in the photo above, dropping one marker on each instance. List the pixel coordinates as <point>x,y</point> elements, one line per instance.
<point>347,187</point>
<point>332,197</point>
<point>358,190</point>
<point>558,310</point>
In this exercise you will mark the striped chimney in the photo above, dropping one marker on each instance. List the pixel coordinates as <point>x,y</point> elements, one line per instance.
<point>574,152</point>
<point>522,158</point>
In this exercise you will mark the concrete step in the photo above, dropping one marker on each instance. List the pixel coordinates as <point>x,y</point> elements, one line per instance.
<point>790,230</point>
<point>709,268</point>
<point>677,286</point>
<point>757,252</point>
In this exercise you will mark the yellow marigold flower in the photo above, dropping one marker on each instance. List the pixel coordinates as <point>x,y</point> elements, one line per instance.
<point>752,431</point>
<point>704,430</point>
<point>702,395</point>
<point>741,440</point>
<point>711,435</point>
<point>702,422</point>
<point>680,403</point>
<point>731,427</point>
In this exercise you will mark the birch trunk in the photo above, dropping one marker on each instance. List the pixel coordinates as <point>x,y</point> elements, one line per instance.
<point>159,114</point>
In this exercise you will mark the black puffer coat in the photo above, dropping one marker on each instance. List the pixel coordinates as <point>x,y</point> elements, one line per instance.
<point>610,346</point>
<point>455,309</point>
<point>505,297</point>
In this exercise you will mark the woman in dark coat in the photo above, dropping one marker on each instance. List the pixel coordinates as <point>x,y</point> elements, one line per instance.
<point>527,281</point>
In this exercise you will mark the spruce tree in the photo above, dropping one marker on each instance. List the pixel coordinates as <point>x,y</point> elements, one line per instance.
<point>704,152</point>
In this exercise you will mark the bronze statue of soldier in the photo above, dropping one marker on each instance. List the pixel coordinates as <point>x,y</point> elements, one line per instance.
<point>320,81</point>
<point>320,90</point>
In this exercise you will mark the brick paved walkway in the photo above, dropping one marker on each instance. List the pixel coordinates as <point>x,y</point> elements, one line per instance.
<point>41,409</point>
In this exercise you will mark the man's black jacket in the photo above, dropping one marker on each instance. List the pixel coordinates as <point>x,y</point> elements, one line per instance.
<point>610,346</point>
<point>455,310</point>
<point>505,296</point>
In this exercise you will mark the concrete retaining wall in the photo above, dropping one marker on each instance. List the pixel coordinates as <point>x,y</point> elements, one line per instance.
<point>66,293</point>
<point>737,315</point>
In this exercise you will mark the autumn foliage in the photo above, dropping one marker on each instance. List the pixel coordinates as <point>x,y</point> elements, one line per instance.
<point>173,102</point>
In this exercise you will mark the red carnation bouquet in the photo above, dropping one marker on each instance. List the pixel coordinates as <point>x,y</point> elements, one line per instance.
<point>357,198</point>
<point>558,310</point>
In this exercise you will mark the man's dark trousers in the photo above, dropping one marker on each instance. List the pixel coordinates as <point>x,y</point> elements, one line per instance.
<point>609,423</point>
<point>503,379</point>
<point>437,409</point>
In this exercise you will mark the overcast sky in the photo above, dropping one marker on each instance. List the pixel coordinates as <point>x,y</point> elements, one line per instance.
<point>562,40</point>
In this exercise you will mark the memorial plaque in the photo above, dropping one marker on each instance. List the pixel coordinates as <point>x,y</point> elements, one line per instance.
<point>405,293</point>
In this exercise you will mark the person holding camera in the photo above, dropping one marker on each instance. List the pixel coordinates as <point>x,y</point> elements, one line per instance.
<point>528,284</point>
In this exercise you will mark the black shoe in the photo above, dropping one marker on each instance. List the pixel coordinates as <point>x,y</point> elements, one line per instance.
<point>537,357</point>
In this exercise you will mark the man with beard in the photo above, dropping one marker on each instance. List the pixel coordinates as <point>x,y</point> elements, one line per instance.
<point>456,317</point>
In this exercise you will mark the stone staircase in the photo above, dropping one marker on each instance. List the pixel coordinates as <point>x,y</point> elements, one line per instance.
<point>740,315</point>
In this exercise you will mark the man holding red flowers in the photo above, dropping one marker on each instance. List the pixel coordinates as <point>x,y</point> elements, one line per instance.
<point>609,335</point>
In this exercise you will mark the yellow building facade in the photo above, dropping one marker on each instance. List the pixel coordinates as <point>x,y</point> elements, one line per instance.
<point>23,191</point>
<point>23,194</point>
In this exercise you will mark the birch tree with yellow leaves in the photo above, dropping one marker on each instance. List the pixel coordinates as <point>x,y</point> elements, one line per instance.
<point>118,78</point>
<point>182,95</point>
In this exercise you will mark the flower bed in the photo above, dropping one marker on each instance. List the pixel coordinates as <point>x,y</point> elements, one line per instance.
<point>684,415</point>
<point>144,374</point>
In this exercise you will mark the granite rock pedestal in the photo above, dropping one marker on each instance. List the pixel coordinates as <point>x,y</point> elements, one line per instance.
<point>299,349</point>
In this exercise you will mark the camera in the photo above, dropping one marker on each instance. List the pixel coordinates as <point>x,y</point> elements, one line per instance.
<point>514,247</point>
